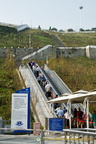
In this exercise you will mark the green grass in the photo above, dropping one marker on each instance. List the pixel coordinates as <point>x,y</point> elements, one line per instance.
<point>77,39</point>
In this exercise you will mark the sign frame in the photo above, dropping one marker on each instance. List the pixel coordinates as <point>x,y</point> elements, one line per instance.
<point>25,92</point>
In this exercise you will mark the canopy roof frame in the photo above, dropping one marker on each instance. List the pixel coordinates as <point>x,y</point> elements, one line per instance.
<point>85,98</point>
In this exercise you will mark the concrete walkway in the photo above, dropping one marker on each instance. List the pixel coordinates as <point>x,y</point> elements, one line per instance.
<point>33,139</point>
<point>25,139</point>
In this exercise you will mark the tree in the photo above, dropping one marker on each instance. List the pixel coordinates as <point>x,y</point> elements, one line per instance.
<point>93,29</point>
<point>81,29</point>
<point>54,29</point>
<point>70,30</point>
<point>87,30</point>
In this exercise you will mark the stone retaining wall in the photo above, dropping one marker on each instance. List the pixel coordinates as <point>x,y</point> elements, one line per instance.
<point>47,51</point>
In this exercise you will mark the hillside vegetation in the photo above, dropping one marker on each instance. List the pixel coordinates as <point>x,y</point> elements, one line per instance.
<point>78,39</point>
<point>9,37</point>
<point>9,83</point>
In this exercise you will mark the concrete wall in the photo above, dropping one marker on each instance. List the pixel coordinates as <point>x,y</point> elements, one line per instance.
<point>91,52</point>
<point>71,52</point>
<point>19,53</point>
<point>47,51</point>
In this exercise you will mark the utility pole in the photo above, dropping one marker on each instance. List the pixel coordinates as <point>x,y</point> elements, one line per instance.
<point>81,7</point>
<point>29,40</point>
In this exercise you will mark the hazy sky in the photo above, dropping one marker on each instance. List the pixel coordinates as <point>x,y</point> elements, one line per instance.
<point>61,14</point>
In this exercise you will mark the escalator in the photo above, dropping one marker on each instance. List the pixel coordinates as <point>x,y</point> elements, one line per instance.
<point>39,106</point>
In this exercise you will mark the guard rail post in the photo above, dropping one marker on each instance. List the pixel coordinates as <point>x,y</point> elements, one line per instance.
<point>65,137</point>
<point>42,137</point>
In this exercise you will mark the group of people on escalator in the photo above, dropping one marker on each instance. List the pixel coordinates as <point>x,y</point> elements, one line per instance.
<point>44,83</point>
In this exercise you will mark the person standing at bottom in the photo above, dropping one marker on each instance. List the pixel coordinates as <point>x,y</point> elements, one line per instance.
<point>60,112</point>
<point>66,116</point>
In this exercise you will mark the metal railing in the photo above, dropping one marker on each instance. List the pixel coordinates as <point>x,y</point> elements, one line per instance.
<point>79,137</point>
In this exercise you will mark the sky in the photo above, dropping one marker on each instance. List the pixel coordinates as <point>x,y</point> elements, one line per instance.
<point>60,14</point>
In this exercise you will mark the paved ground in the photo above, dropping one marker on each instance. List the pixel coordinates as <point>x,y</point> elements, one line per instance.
<point>20,139</point>
<point>26,139</point>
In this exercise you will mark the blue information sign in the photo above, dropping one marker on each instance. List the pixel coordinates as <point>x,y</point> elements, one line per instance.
<point>56,124</point>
